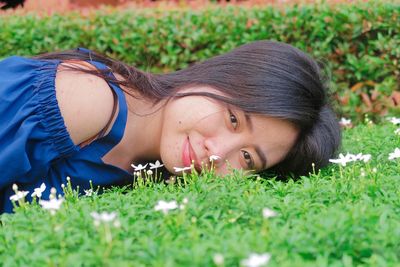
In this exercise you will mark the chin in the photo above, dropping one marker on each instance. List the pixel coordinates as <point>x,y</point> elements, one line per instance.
<point>169,168</point>
<point>168,165</point>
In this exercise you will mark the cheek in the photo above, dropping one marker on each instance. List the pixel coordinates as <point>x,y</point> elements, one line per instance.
<point>230,164</point>
<point>171,141</point>
<point>211,124</point>
<point>170,153</point>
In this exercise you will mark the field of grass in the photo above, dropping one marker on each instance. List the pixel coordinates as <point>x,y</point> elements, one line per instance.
<point>340,216</point>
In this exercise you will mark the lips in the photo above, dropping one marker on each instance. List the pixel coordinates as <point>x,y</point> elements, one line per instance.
<point>186,159</point>
<point>188,155</point>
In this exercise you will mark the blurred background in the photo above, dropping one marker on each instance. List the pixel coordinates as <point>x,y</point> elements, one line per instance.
<point>357,42</point>
<point>68,5</point>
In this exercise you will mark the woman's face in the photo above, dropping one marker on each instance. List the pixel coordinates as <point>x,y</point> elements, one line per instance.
<point>196,127</point>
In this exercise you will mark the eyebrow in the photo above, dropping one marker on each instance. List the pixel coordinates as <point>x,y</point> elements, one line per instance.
<point>260,153</point>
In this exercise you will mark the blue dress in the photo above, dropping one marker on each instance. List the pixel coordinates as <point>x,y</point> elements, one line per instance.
<point>35,146</point>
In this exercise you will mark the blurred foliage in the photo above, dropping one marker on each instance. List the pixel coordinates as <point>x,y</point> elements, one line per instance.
<point>359,44</point>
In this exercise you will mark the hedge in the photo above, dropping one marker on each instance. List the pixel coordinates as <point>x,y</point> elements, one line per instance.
<point>358,43</point>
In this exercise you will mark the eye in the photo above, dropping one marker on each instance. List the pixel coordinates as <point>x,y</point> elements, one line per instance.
<point>248,159</point>
<point>233,119</point>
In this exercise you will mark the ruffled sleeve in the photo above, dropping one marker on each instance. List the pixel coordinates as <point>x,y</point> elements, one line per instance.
<point>32,131</point>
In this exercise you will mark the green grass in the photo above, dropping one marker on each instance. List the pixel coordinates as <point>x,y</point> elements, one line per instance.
<point>335,217</point>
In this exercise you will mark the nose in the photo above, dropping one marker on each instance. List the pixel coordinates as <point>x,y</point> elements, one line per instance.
<point>214,151</point>
<point>218,149</point>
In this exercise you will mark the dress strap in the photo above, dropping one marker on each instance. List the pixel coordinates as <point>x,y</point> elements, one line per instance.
<point>102,144</point>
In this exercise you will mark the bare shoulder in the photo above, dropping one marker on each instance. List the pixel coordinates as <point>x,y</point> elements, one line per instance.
<point>85,101</point>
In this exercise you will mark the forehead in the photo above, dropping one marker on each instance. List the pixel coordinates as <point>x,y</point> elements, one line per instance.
<point>273,137</point>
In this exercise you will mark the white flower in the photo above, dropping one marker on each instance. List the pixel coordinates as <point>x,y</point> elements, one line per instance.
<point>149,172</point>
<point>256,260</point>
<point>156,165</point>
<point>19,195</point>
<point>267,213</point>
<point>52,205</point>
<point>139,167</point>
<point>218,259</point>
<point>166,206</point>
<point>355,157</point>
<point>366,157</point>
<point>345,122</point>
<point>178,169</point>
<point>214,157</point>
<point>343,160</point>
<point>88,192</point>
<point>394,120</point>
<point>395,154</point>
<point>103,216</point>
<point>185,200</point>
<point>38,191</point>
<point>360,156</point>
<point>397,131</point>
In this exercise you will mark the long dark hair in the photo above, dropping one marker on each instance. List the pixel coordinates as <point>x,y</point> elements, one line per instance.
<point>263,77</point>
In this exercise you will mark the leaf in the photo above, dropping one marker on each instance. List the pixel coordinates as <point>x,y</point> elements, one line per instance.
<point>357,86</point>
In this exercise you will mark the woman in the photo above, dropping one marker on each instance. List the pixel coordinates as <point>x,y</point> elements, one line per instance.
<point>261,106</point>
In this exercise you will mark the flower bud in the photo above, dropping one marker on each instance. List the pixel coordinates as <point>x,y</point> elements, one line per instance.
<point>117,224</point>
<point>53,191</point>
<point>15,187</point>
<point>218,259</point>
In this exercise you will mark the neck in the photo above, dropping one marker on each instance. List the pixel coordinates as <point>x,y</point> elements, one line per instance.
<point>141,141</point>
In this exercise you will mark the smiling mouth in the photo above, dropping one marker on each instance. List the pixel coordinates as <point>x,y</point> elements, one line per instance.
<point>186,159</point>
<point>188,156</point>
